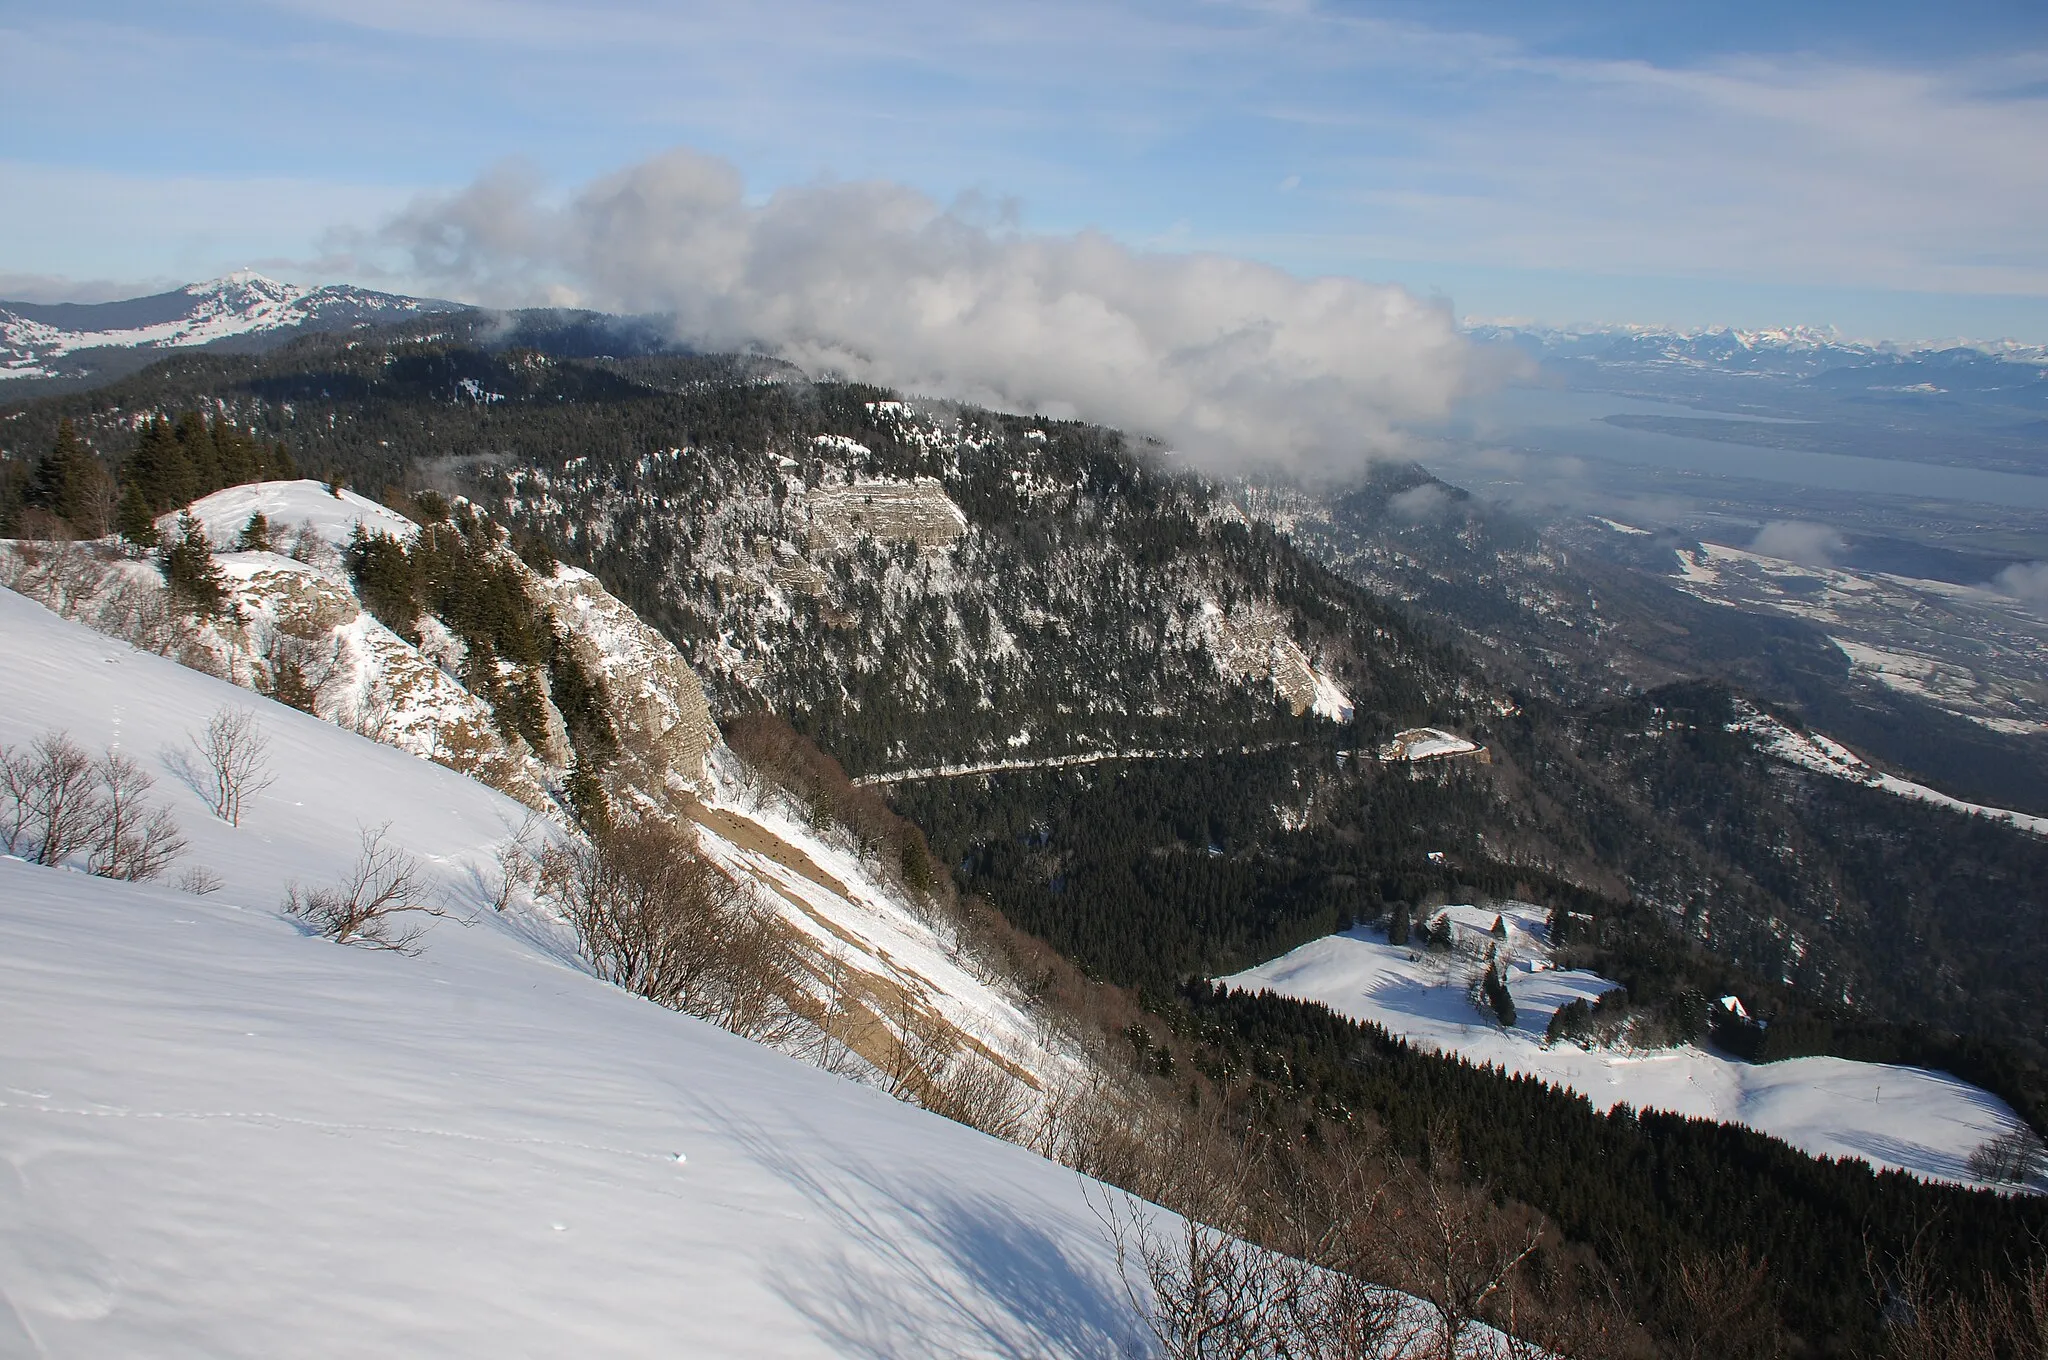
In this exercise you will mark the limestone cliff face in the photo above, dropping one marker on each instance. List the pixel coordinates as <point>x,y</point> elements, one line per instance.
<point>353,671</point>
<point>657,704</point>
<point>294,629</point>
<point>1253,642</point>
<point>916,511</point>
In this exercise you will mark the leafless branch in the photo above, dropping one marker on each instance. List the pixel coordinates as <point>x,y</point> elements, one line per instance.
<point>134,839</point>
<point>376,906</point>
<point>234,762</point>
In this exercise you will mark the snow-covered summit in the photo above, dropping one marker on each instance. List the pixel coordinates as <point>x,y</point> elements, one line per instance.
<point>333,514</point>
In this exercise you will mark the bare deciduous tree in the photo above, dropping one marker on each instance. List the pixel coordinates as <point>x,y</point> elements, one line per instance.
<point>1203,1293</point>
<point>234,759</point>
<point>134,839</point>
<point>51,807</point>
<point>2014,1158</point>
<point>379,904</point>
<point>57,802</point>
<point>656,918</point>
<point>1451,1246</point>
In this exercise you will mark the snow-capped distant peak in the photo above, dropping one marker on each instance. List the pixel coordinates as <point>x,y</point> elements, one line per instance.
<point>1723,345</point>
<point>36,339</point>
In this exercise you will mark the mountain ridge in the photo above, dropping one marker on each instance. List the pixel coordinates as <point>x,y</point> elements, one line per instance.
<point>58,340</point>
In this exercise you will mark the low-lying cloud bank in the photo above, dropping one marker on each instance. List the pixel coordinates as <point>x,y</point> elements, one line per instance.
<point>2026,581</point>
<point>1234,363</point>
<point>1813,545</point>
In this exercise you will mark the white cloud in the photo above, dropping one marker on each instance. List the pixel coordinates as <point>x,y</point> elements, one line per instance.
<point>1419,503</point>
<point>1813,545</point>
<point>2026,581</point>
<point>1231,362</point>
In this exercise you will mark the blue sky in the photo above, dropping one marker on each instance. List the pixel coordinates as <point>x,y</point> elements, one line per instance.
<point>1880,167</point>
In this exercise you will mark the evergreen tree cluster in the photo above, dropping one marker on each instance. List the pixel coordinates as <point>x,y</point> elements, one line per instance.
<point>190,573</point>
<point>459,570</point>
<point>71,484</point>
<point>171,462</point>
<point>175,462</point>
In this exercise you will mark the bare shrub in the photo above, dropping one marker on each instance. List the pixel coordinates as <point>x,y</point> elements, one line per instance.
<point>134,839</point>
<point>832,1005</point>
<point>2012,1158</point>
<point>51,805</point>
<point>234,757</point>
<point>59,573</point>
<point>140,613</point>
<point>518,863</point>
<point>1453,1247</point>
<point>309,547</point>
<point>200,881</point>
<point>369,714</point>
<point>977,1092</point>
<point>1333,1221</point>
<point>1723,1307</point>
<point>379,904</point>
<point>653,916</point>
<point>1996,1321</point>
<point>1205,1293</point>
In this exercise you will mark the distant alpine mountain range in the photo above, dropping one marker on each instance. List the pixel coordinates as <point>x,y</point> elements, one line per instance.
<point>1788,351</point>
<point>78,340</point>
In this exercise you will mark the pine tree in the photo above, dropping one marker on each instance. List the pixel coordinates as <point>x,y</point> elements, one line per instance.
<point>194,578</point>
<point>199,453</point>
<point>134,520</point>
<point>1398,924</point>
<point>160,468</point>
<point>69,483</point>
<point>255,536</point>
<point>1497,997</point>
<point>586,795</point>
<point>1500,928</point>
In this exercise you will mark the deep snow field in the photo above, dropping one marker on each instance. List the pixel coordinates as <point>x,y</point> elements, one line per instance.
<point>1919,1121</point>
<point>220,1136</point>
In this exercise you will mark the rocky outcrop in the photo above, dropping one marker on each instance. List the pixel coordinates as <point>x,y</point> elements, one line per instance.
<point>917,511</point>
<point>657,704</point>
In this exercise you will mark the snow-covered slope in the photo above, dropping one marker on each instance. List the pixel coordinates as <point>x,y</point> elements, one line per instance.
<point>1924,1122</point>
<point>35,338</point>
<point>889,958</point>
<point>221,1137</point>
<point>1813,751</point>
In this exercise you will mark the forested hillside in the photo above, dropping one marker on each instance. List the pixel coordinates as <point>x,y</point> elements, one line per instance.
<point>917,586</point>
